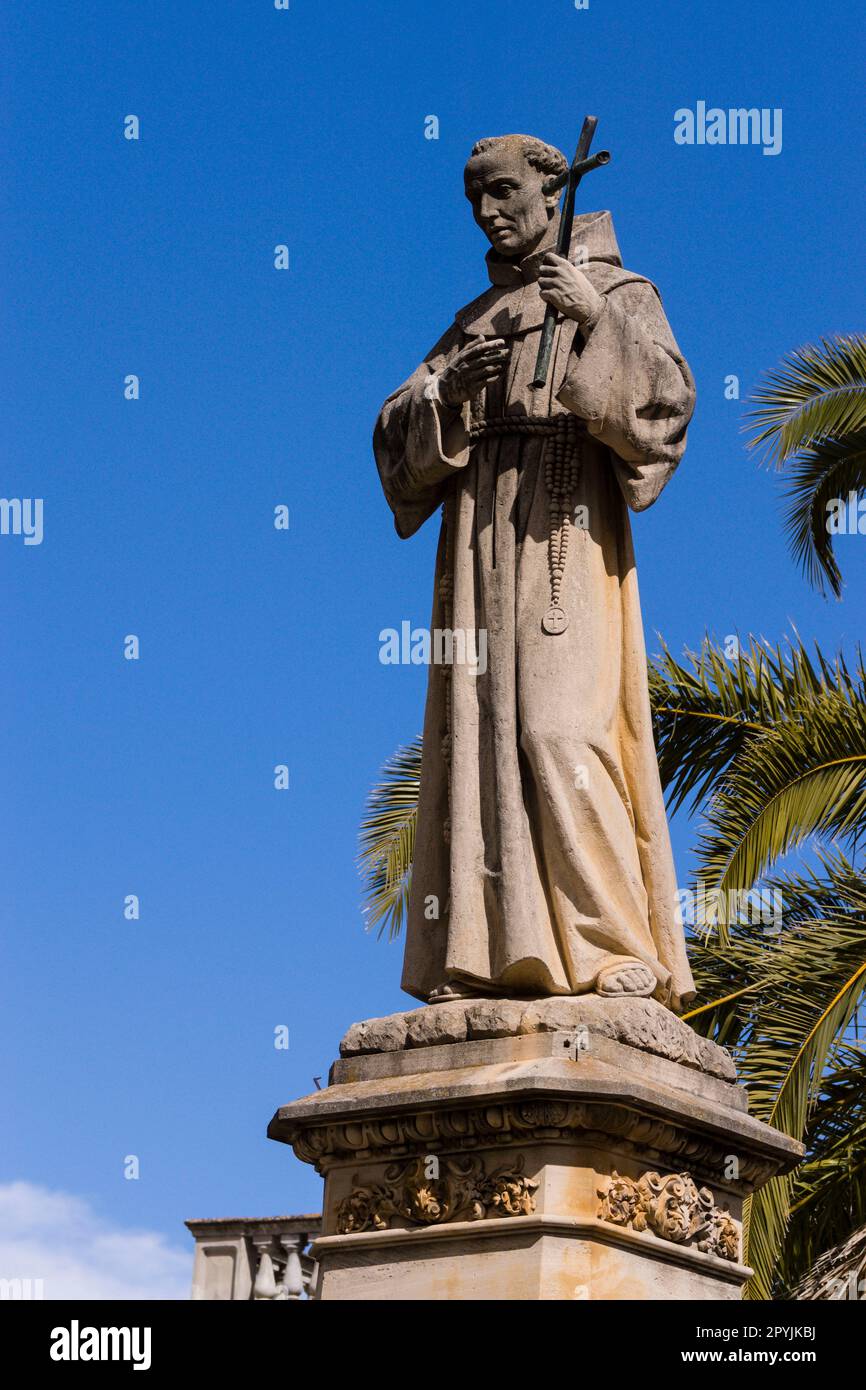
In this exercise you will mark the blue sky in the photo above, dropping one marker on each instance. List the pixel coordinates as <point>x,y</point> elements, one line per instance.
<point>260,387</point>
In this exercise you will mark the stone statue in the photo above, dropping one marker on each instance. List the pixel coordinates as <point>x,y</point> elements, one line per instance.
<point>543,863</point>
<point>543,923</point>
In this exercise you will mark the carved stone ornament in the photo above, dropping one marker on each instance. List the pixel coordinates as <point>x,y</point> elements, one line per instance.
<point>519,1122</point>
<point>673,1208</point>
<point>460,1191</point>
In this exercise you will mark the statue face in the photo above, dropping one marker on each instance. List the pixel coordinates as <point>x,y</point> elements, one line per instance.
<point>508,201</point>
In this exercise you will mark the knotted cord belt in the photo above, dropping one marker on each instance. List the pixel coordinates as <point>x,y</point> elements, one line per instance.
<point>562,458</point>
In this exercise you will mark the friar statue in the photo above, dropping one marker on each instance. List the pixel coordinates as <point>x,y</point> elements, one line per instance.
<point>543,862</point>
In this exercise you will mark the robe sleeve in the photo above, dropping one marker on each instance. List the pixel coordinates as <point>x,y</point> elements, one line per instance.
<point>628,380</point>
<point>419,444</point>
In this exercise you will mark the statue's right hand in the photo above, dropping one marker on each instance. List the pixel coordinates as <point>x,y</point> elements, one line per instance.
<point>471,370</point>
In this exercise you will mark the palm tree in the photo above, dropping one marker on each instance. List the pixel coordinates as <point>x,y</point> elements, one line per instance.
<point>784,1000</point>
<point>810,417</point>
<point>771,750</point>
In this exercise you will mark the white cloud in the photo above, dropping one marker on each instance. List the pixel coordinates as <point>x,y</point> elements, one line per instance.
<point>59,1239</point>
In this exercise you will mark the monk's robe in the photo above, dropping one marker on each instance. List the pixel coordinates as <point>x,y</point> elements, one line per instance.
<point>542,852</point>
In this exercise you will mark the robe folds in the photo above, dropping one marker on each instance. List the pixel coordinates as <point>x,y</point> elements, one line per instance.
<point>542,850</point>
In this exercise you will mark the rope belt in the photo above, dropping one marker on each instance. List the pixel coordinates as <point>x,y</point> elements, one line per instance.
<point>526,424</point>
<point>562,457</point>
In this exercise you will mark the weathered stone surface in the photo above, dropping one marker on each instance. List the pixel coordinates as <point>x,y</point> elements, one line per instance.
<point>538,1166</point>
<point>495,1018</point>
<point>525,1260</point>
<point>428,1061</point>
<point>639,1023</point>
<point>488,1102</point>
<point>377,1035</point>
<point>446,1023</point>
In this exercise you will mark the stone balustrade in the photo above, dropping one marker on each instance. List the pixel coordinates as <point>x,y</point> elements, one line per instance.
<point>254,1258</point>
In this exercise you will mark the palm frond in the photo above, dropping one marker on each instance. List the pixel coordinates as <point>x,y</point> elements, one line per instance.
<point>798,992</point>
<point>770,1206</point>
<point>805,777</point>
<point>387,840</point>
<point>828,470</point>
<point>707,712</point>
<point>818,392</point>
<point>828,1202</point>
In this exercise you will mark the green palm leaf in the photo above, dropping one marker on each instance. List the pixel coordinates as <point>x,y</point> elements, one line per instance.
<point>703,713</point>
<point>798,993</point>
<point>829,1197</point>
<point>387,840</point>
<point>830,469</point>
<point>819,392</point>
<point>770,1207</point>
<point>811,414</point>
<point>707,712</point>
<point>806,776</point>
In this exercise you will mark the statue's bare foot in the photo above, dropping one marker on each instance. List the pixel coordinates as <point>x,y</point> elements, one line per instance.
<point>443,994</point>
<point>626,977</point>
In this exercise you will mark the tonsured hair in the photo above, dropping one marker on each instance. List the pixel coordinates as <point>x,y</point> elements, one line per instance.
<point>546,158</point>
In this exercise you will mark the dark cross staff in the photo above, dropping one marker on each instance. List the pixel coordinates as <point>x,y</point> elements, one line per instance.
<point>582,164</point>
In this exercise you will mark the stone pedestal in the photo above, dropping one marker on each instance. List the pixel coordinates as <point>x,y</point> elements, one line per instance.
<point>573,1148</point>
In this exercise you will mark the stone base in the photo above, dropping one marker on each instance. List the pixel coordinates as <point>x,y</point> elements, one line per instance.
<point>577,1148</point>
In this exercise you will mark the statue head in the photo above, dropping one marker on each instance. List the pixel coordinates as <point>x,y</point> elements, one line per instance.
<point>504,180</point>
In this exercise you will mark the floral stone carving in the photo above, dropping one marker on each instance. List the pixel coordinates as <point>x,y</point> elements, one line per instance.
<point>428,1190</point>
<point>673,1208</point>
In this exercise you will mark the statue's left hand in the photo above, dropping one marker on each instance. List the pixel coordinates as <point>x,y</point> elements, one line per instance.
<point>568,289</point>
